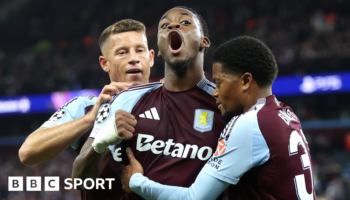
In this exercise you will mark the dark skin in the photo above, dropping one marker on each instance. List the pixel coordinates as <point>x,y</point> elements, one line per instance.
<point>193,44</point>
<point>125,123</point>
<point>235,94</point>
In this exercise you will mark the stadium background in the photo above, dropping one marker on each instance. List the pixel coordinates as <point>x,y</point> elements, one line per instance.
<point>52,46</point>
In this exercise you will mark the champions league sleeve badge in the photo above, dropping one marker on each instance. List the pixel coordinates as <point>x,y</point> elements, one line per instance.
<point>103,113</point>
<point>57,115</point>
<point>203,120</point>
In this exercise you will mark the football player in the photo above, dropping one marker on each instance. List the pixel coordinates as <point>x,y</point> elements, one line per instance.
<point>127,59</point>
<point>261,154</point>
<point>177,124</point>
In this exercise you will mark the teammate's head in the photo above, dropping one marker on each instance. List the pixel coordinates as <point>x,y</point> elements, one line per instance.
<point>125,54</point>
<point>243,67</point>
<point>182,37</point>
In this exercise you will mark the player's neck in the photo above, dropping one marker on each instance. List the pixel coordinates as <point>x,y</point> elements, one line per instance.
<point>192,77</point>
<point>257,94</point>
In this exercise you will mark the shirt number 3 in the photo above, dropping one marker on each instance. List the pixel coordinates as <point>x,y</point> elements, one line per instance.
<point>295,140</point>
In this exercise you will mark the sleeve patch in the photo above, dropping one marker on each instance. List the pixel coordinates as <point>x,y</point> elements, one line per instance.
<point>103,113</point>
<point>57,115</point>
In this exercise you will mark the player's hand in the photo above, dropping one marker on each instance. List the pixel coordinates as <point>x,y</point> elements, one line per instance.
<point>119,127</point>
<point>129,170</point>
<point>106,95</point>
<point>125,123</point>
<point>162,80</point>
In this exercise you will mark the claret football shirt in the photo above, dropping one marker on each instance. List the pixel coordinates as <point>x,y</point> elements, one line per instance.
<point>176,132</point>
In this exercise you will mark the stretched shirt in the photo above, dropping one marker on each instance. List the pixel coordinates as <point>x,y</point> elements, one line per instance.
<point>74,109</point>
<point>261,154</point>
<point>176,132</point>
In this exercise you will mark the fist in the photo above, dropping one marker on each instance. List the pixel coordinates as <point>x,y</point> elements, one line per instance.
<point>125,124</point>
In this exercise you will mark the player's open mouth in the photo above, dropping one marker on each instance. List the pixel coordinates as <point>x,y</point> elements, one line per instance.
<point>134,71</point>
<point>175,42</point>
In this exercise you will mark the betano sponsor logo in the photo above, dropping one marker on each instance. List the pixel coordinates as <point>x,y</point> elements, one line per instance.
<point>146,143</point>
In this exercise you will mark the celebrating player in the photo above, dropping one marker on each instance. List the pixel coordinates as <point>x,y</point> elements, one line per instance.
<point>126,58</point>
<point>262,150</point>
<point>178,123</point>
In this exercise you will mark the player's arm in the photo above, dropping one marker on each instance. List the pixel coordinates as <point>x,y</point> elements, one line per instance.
<point>205,186</point>
<point>46,143</point>
<point>245,148</point>
<point>89,163</point>
<point>95,153</point>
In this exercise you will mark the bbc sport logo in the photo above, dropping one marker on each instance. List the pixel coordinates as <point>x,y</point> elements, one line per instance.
<point>52,183</point>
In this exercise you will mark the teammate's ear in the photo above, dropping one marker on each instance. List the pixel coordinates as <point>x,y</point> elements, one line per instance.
<point>158,54</point>
<point>151,57</point>
<point>246,80</point>
<point>104,64</point>
<point>205,42</point>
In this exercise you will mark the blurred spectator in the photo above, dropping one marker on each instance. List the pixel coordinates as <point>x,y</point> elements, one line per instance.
<point>61,166</point>
<point>50,46</point>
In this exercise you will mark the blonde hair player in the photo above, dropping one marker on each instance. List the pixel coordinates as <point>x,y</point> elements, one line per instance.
<point>127,59</point>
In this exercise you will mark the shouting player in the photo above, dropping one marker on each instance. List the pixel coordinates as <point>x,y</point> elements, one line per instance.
<point>177,124</point>
<point>126,58</point>
<point>262,150</point>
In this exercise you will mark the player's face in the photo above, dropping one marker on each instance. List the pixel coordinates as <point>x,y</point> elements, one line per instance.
<point>128,58</point>
<point>179,35</point>
<point>228,92</point>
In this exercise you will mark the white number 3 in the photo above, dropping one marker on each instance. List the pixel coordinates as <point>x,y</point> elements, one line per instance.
<point>299,180</point>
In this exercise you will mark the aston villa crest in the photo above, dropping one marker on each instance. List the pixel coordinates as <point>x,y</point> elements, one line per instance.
<point>203,120</point>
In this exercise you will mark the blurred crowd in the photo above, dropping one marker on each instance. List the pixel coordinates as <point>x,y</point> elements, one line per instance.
<point>10,165</point>
<point>49,46</point>
<point>331,164</point>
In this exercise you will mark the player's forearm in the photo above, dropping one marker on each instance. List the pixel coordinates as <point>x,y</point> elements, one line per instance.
<point>149,189</point>
<point>205,187</point>
<point>46,143</point>
<point>89,164</point>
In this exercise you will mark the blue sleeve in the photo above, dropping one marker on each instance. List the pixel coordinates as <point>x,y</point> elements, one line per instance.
<point>240,148</point>
<point>70,111</point>
<point>205,187</point>
<point>125,101</point>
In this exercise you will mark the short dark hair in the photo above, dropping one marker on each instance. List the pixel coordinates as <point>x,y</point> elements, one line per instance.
<point>204,26</point>
<point>247,54</point>
<point>121,26</point>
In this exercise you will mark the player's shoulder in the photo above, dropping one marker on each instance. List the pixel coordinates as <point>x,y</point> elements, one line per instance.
<point>126,100</point>
<point>271,111</point>
<point>143,87</point>
<point>81,100</point>
<point>136,91</point>
<point>206,86</point>
<point>250,120</point>
<point>79,103</point>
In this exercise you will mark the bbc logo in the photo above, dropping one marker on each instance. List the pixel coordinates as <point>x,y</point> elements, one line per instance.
<point>33,183</point>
